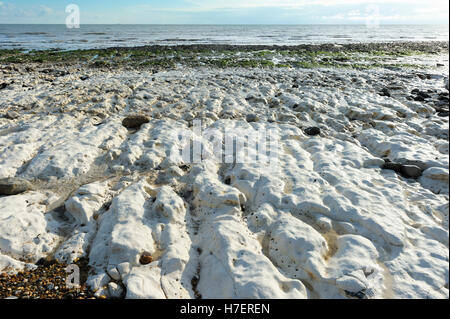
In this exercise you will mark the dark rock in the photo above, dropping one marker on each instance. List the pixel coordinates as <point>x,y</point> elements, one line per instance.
<point>135,121</point>
<point>358,295</point>
<point>411,171</point>
<point>396,167</point>
<point>422,165</point>
<point>146,258</point>
<point>425,95</point>
<point>443,113</point>
<point>385,92</point>
<point>415,91</point>
<point>252,118</point>
<point>56,73</point>
<point>45,262</point>
<point>12,115</point>
<point>274,103</point>
<point>419,98</point>
<point>84,77</point>
<point>3,85</point>
<point>312,131</point>
<point>14,186</point>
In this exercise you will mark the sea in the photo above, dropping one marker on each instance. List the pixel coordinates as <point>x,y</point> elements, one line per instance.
<point>50,36</point>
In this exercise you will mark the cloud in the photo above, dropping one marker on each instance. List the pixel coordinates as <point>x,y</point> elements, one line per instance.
<point>11,13</point>
<point>237,4</point>
<point>234,11</point>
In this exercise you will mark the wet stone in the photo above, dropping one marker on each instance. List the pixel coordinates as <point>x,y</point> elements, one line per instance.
<point>312,131</point>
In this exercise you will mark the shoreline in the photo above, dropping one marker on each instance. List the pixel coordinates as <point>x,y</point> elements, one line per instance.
<point>389,46</point>
<point>356,56</point>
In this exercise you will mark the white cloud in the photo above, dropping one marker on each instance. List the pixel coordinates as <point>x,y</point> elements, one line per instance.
<point>236,4</point>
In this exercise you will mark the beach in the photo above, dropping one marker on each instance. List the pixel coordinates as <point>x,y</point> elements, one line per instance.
<point>351,201</point>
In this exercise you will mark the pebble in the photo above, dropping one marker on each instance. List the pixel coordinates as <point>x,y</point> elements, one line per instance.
<point>312,131</point>
<point>146,258</point>
<point>14,186</point>
<point>44,282</point>
<point>135,121</point>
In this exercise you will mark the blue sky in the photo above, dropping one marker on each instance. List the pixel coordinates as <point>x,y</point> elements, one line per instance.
<point>228,11</point>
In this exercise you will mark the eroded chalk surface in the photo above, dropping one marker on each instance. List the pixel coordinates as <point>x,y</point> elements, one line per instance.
<point>327,221</point>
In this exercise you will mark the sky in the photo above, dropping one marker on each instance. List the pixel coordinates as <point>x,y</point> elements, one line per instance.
<point>227,11</point>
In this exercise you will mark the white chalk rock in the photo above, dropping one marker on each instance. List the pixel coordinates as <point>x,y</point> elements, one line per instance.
<point>144,283</point>
<point>98,281</point>
<point>24,228</point>
<point>436,179</point>
<point>115,290</point>
<point>124,269</point>
<point>114,273</point>
<point>169,205</point>
<point>123,232</point>
<point>74,157</point>
<point>10,265</point>
<point>87,200</point>
<point>294,244</point>
<point>350,283</point>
